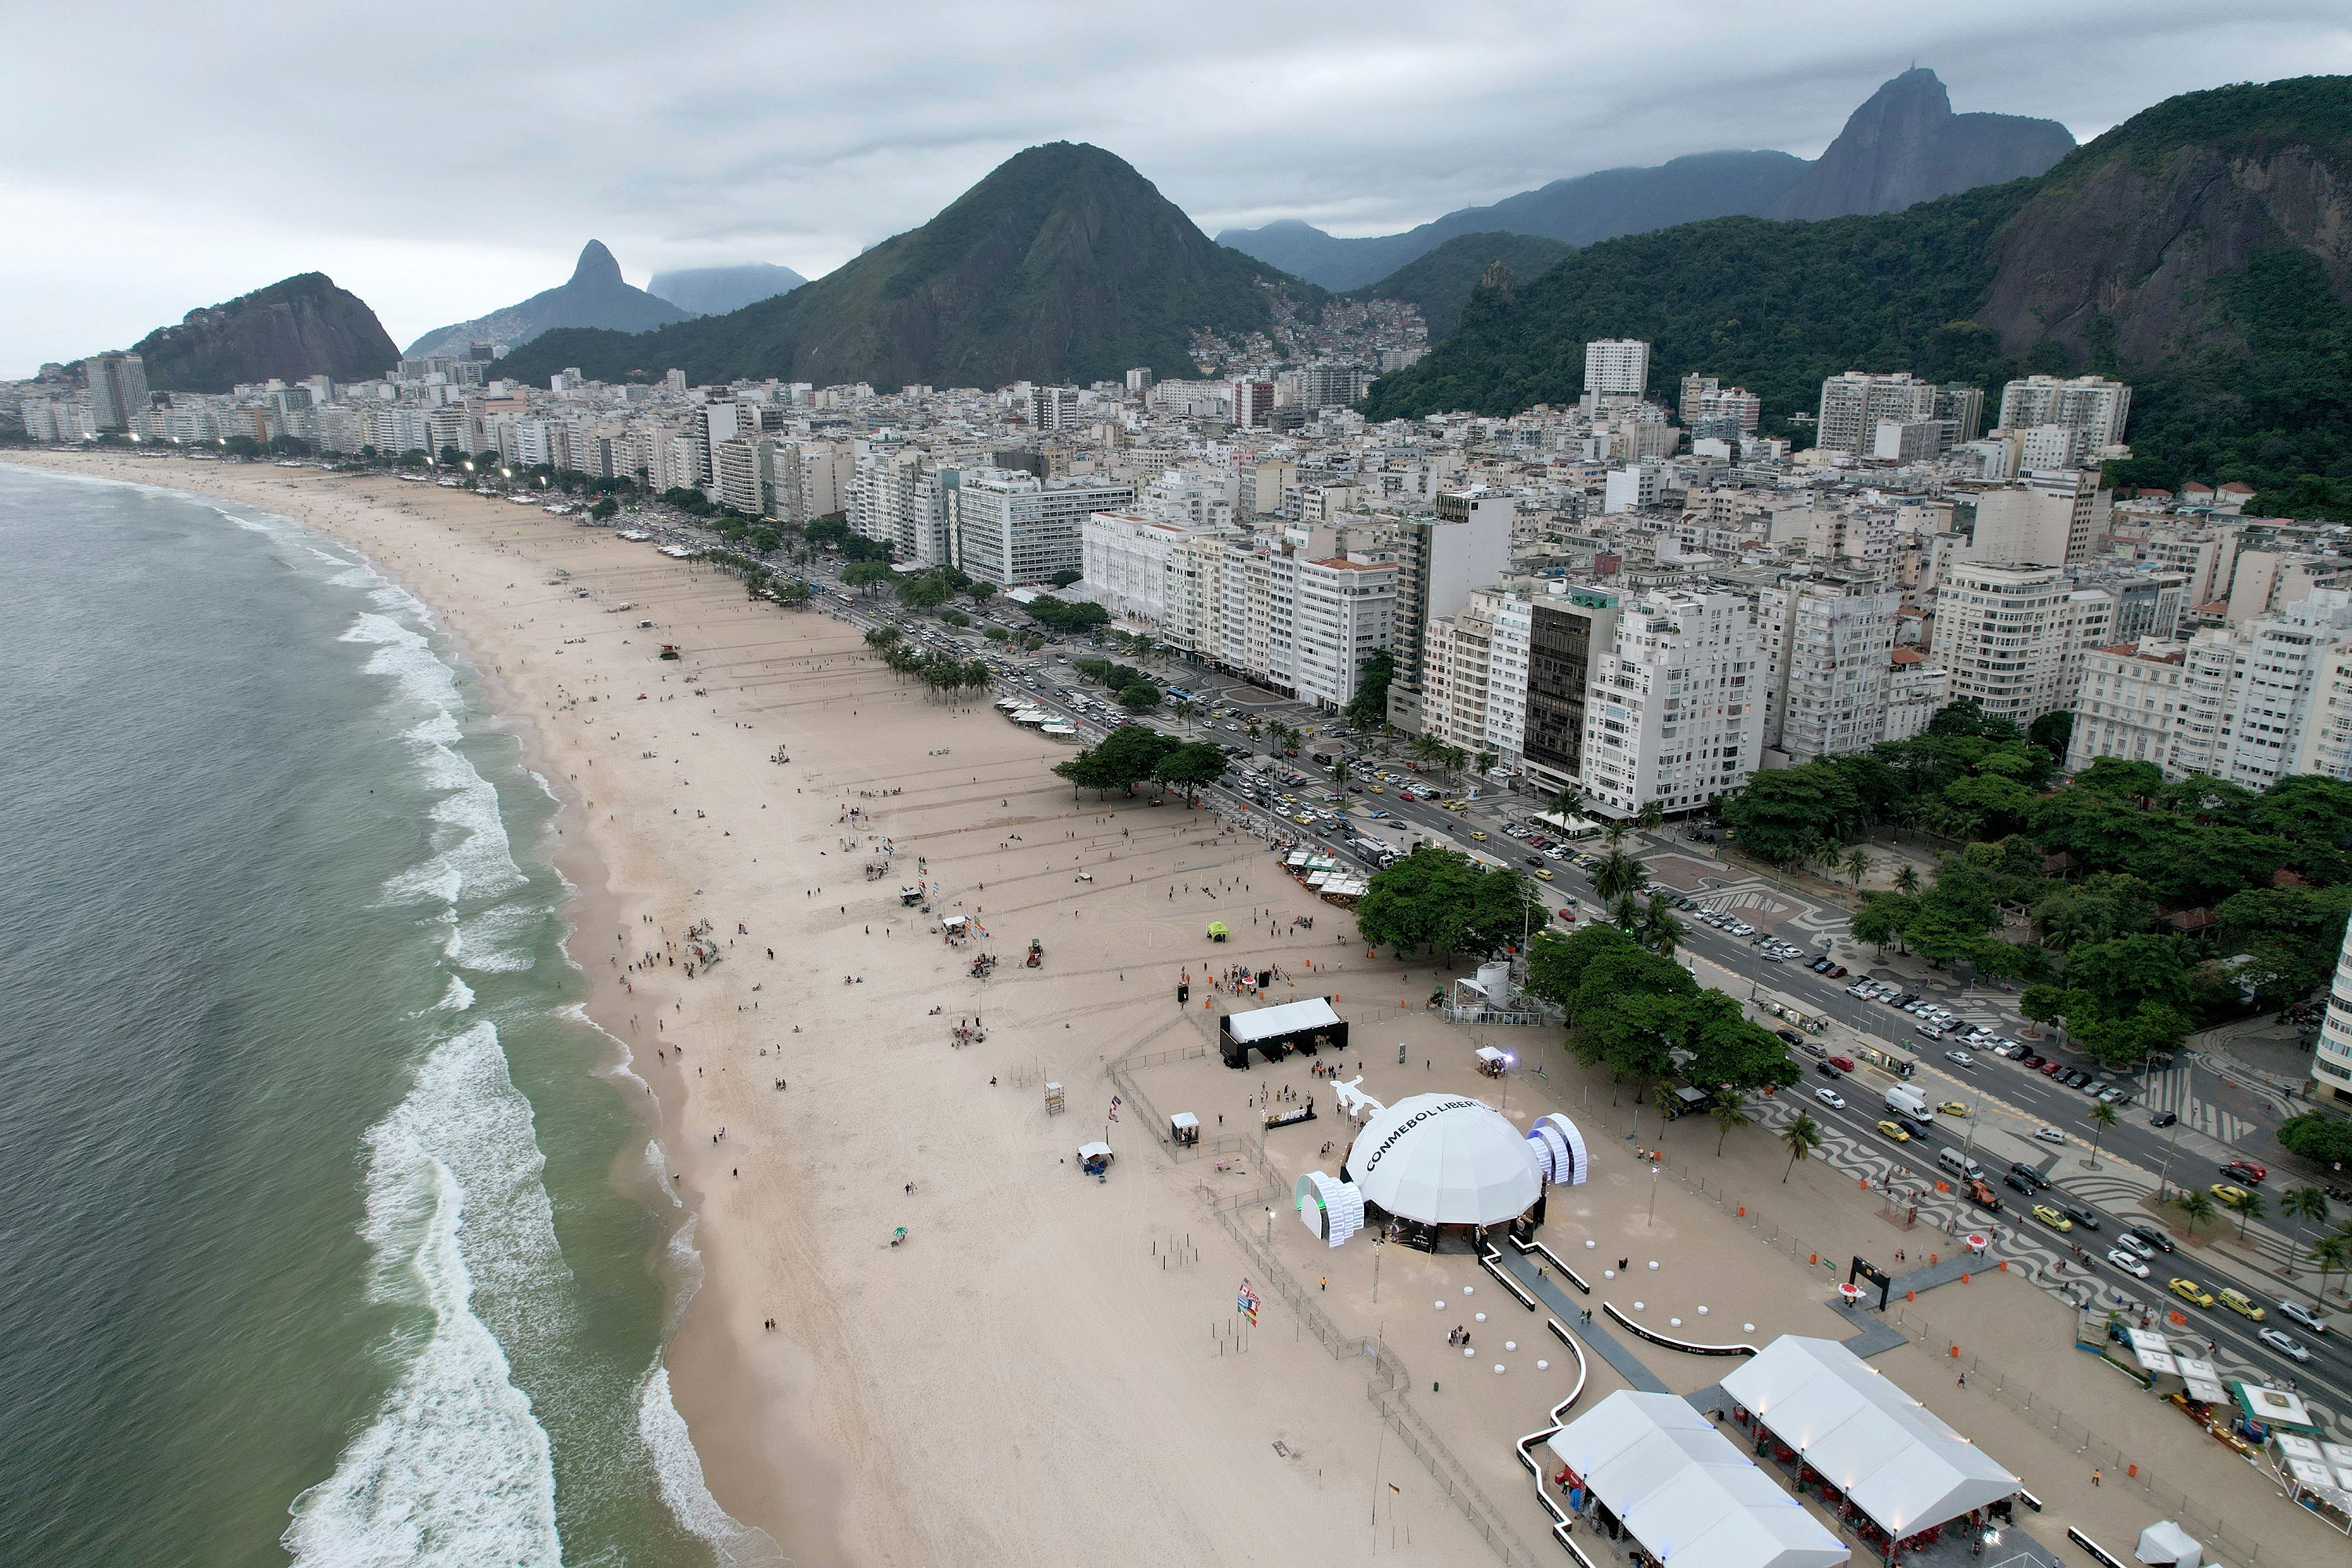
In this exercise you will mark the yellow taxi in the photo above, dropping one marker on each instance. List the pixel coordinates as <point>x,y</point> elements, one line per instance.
<point>2191,1291</point>
<point>2228,1196</point>
<point>2246,1306</point>
<point>2051,1217</point>
<point>1479,834</point>
<point>1544,874</point>
<point>1951,1107</point>
<point>1376,789</point>
<point>1895,1130</point>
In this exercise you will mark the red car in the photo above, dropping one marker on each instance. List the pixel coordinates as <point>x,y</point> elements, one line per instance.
<point>1844,1064</point>
<point>1408,794</point>
<point>2051,1068</point>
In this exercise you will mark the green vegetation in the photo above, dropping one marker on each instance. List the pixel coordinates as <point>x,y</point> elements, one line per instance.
<point>1137,753</point>
<point>1440,281</point>
<point>1442,901</point>
<point>1368,709</point>
<point>2318,1137</point>
<point>1067,616</point>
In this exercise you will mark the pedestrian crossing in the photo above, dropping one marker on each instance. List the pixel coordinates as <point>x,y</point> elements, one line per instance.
<point>2174,1090</point>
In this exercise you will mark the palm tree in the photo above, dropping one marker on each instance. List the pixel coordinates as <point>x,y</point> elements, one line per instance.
<point>1730,1117</point>
<point>1857,866</point>
<point>1617,876</point>
<point>1662,932</point>
<point>2331,1253</point>
<point>2250,1207</point>
<point>1627,912</point>
<point>1341,775</point>
<point>1566,801</point>
<point>1651,817</point>
<point>1614,831</point>
<point>1907,879</point>
<point>2197,1204</point>
<point>2102,1116</point>
<point>2307,1205</point>
<point>1803,1136</point>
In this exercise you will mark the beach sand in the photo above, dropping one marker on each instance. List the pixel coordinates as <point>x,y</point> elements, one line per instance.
<point>1050,1368</point>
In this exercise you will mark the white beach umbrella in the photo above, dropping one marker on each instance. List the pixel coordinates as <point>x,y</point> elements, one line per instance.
<point>1441,1159</point>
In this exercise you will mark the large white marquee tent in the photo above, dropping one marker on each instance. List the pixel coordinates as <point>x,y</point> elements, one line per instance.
<point>1686,1491</point>
<point>1890,1455</point>
<point>1442,1159</point>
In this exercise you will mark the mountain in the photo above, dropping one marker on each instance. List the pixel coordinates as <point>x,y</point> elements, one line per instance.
<point>715,290</point>
<point>1440,282</point>
<point>1062,264</point>
<point>1576,210</point>
<point>594,296</point>
<point>2195,251</point>
<point>301,326</point>
<point>1904,146</point>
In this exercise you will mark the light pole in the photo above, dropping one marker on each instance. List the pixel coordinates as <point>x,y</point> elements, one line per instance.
<point>1651,1222</point>
<point>2164,1177</point>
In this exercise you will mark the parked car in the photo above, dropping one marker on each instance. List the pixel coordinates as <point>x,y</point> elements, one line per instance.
<point>1844,1064</point>
<point>1790,1036</point>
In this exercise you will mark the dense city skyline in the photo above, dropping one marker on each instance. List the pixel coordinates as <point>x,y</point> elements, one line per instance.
<point>464,174</point>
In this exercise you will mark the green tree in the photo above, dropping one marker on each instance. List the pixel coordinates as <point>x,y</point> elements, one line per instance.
<point>1857,866</point>
<point>1660,929</point>
<point>606,508</point>
<point>2316,1136</point>
<point>1440,898</point>
<point>1883,918</point>
<point>867,576</point>
<point>2248,1208</point>
<point>1370,707</point>
<point>1139,697</point>
<point>1730,1115</point>
<point>2332,1253</point>
<point>1803,1136</point>
<point>1618,876</point>
<point>2196,1207</point>
<point>1191,765</point>
<point>927,591</point>
<point>1651,817</point>
<point>881,636</point>
<point>2103,1118</point>
<point>1907,879</point>
<point>1126,756</point>
<point>1781,813</point>
<point>1557,964</point>
<point>2306,1206</point>
<point>1566,802</point>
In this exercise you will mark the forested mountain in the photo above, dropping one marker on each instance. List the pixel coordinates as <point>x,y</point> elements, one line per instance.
<point>1063,265</point>
<point>1903,145</point>
<point>301,326</point>
<point>595,295</point>
<point>1440,282</point>
<point>715,290</point>
<point>2197,252</point>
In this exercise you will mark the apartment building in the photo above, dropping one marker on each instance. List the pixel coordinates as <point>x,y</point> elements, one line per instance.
<point>1440,559</point>
<point>1616,367</point>
<point>2331,1065</point>
<point>1917,687</point>
<point>1823,645</point>
<point>2091,404</point>
<point>1567,633</point>
<point>1852,406</point>
<point>1125,556</point>
<point>1013,528</point>
<point>118,391</point>
<point>2013,638</point>
<point>2133,703</point>
<point>1476,661</point>
<point>1675,714</point>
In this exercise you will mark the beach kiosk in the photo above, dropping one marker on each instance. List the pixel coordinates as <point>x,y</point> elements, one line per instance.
<point>1094,1158</point>
<point>1185,1129</point>
<point>1276,1032</point>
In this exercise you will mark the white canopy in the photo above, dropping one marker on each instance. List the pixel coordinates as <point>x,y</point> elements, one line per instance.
<point>1687,1494</point>
<point>1265,1022</point>
<point>1184,1118</point>
<point>1090,1150</point>
<point>2165,1544</point>
<point>1895,1459</point>
<point>1441,1159</point>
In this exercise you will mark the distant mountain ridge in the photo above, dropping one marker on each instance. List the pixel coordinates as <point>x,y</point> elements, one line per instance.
<point>2196,251</point>
<point>715,290</point>
<point>1441,282</point>
<point>297,327</point>
<point>1903,145</point>
<point>1062,264</point>
<point>595,295</point>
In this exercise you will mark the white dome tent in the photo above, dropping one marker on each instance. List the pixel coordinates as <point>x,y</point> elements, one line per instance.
<point>1441,1159</point>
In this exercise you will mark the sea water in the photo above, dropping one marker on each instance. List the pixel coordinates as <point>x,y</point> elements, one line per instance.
<point>330,1229</point>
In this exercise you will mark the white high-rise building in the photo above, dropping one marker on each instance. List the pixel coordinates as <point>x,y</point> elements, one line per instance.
<point>2013,638</point>
<point>1616,367</point>
<point>1125,555</point>
<point>1675,712</point>
<point>1013,528</point>
<point>2133,703</point>
<point>2331,1064</point>
<point>2091,404</point>
<point>1823,647</point>
<point>1854,404</point>
<point>1439,559</point>
<point>1341,611</point>
<point>1475,662</point>
<point>1053,408</point>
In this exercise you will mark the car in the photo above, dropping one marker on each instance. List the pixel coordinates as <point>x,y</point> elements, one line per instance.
<point>2150,1235</point>
<point>1790,1036</point>
<point>2191,1291</point>
<point>2054,1219</point>
<point>1830,1098</point>
<point>1961,1058</point>
<point>2287,1344</point>
<point>2304,1315</point>
<point>1844,1064</point>
<point>2086,1219</point>
<point>1837,972</point>
<point>1951,1107</point>
<point>1355,789</point>
<point>2050,1134</point>
<point>2163,1118</point>
<point>2132,1241</point>
<point>2021,1183</point>
<point>1895,1131</point>
<point>1828,1069</point>
<point>1534,860</point>
<point>2033,1060</point>
<point>2246,1171</point>
<point>1545,875</point>
<point>2228,1195</point>
<point>2130,1262</point>
<point>2246,1306</point>
<point>1476,833</point>
<point>2051,1069</point>
<point>1914,1126</point>
<point>2078,1078</point>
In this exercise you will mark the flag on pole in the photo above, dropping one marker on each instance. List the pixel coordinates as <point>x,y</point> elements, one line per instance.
<point>1246,1303</point>
<point>1115,1103</point>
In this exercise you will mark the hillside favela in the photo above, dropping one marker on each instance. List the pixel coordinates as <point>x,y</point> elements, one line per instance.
<point>1768,597</point>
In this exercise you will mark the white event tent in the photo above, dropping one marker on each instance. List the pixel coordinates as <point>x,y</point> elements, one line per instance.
<point>1892,1457</point>
<point>1442,1159</point>
<point>1687,1493</point>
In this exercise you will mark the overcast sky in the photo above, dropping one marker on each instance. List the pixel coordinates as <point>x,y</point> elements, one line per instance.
<point>440,162</point>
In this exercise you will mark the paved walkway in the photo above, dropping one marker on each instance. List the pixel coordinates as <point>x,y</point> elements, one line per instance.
<point>1547,1289</point>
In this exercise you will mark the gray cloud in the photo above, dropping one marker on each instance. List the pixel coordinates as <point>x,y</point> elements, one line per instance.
<point>158,157</point>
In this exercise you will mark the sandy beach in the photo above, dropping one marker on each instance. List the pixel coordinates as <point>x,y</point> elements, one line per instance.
<point>1048,1368</point>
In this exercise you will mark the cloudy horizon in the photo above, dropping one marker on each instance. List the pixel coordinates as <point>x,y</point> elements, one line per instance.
<point>440,178</point>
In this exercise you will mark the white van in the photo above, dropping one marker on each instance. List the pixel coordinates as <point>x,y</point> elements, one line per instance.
<point>1961,1164</point>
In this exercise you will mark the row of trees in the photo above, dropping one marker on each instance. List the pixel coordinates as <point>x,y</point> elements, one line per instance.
<point>1441,900</point>
<point>1134,691</point>
<point>1066,615</point>
<point>1133,754</point>
<point>944,674</point>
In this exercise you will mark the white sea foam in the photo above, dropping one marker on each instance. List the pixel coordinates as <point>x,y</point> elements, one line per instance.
<point>677,1475</point>
<point>457,998</point>
<point>454,1470</point>
<point>497,941</point>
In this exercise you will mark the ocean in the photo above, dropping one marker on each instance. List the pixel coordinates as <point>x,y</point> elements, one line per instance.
<point>333,1233</point>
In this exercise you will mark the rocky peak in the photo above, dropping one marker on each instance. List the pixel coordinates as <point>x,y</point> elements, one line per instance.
<point>1905,146</point>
